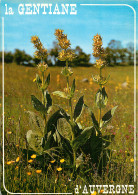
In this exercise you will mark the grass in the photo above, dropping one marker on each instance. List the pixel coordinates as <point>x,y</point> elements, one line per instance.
<point>19,85</point>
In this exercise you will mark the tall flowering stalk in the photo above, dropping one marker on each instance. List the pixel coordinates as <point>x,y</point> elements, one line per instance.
<point>98,52</point>
<point>40,138</point>
<point>67,55</point>
<point>42,84</point>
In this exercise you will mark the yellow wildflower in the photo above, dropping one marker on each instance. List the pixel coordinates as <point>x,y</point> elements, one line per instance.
<point>33,156</point>
<point>101,191</point>
<point>16,167</point>
<point>62,160</point>
<point>52,161</point>
<point>17,159</point>
<point>8,162</point>
<point>132,160</point>
<point>59,169</point>
<point>9,132</point>
<point>38,171</point>
<point>94,193</point>
<point>30,161</point>
<point>34,80</point>
<point>29,173</point>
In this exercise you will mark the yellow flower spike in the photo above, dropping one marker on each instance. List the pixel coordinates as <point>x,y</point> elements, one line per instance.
<point>100,63</point>
<point>38,171</point>
<point>62,160</point>
<point>30,161</point>
<point>33,156</point>
<point>59,169</point>
<point>101,191</point>
<point>52,161</point>
<point>132,160</point>
<point>17,159</point>
<point>34,80</point>
<point>29,173</point>
<point>75,100</point>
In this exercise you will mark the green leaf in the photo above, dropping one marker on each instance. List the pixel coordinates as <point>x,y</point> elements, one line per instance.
<point>36,122</point>
<point>38,80</point>
<point>82,138</point>
<point>65,143</point>
<point>101,98</point>
<point>79,161</point>
<point>60,94</point>
<point>37,104</point>
<point>48,100</point>
<point>47,81</point>
<point>107,117</point>
<point>78,108</point>
<point>72,88</point>
<point>52,122</point>
<point>34,140</point>
<point>95,122</point>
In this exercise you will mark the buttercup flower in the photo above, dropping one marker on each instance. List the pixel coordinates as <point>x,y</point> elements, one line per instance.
<point>30,161</point>
<point>17,159</point>
<point>52,161</point>
<point>33,156</point>
<point>29,173</point>
<point>38,171</point>
<point>62,160</point>
<point>132,160</point>
<point>59,169</point>
<point>10,162</point>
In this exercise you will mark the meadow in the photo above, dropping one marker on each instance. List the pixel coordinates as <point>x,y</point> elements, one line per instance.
<point>19,85</point>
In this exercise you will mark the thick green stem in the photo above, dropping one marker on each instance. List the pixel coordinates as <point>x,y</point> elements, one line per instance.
<point>43,102</point>
<point>67,76</point>
<point>100,89</point>
<point>71,117</point>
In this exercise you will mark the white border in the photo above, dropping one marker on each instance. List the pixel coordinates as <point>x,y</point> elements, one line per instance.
<point>134,91</point>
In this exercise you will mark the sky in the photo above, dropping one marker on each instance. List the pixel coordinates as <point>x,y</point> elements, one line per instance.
<point>111,22</point>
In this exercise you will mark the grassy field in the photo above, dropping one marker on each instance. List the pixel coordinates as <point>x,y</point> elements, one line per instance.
<point>19,86</point>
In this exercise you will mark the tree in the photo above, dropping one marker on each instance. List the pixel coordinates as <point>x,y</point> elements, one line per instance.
<point>81,59</point>
<point>20,57</point>
<point>130,48</point>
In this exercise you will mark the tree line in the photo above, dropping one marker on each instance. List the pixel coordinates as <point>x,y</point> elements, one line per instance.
<point>116,55</point>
